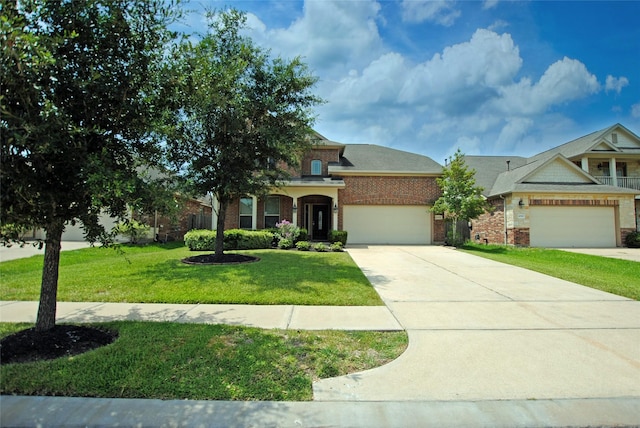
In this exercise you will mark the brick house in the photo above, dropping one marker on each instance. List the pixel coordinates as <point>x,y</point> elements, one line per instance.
<point>378,194</point>
<point>585,193</point>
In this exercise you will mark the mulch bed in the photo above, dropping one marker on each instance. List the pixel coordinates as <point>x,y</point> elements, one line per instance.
<point>61,341</point>
<point>225,259</point>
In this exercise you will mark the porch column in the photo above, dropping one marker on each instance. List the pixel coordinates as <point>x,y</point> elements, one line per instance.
<point>294,212</point>
<point>254,213</point>
<point>335,213</point>
<point>585,164</point>
<point>612,172</point>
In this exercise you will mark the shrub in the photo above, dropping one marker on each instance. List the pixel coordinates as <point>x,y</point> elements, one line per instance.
<point>200,240</point>
<point>337,247</point>
<point>632,240</point>
<point>285,244</point>
<point>132,229</point>
<point>234,239</point>
<point>338,236</point>
<point>287,230</point>
<point>320,247</point>
<point>304,234</point>
<point>303,245</point>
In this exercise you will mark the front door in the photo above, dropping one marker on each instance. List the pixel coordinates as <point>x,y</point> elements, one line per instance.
<point>320,220</point>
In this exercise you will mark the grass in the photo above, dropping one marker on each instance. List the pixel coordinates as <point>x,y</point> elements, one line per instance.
<point>155,274</point>
<point>203,362</point>
<point>621,277</point>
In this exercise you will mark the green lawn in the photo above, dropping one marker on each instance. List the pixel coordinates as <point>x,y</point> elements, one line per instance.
<point>202,362</point>
<point>621,277</point>
<point>155,274</point>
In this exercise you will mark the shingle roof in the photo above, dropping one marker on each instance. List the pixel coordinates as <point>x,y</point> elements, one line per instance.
<point>371,158</point>
<point>586,143</point>
<point>488,168</point>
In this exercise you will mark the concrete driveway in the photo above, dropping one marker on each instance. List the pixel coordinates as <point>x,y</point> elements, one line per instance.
<point>482,330</point>
<point>624,253</point>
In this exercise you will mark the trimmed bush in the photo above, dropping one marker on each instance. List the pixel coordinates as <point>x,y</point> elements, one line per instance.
<point>303,245</point>
<point>234,239</point>
<point>337,247</point>
<point>632,240</point>
<point>338,236</point>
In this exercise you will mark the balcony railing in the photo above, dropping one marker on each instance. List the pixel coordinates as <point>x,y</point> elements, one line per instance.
<point>626,182</point>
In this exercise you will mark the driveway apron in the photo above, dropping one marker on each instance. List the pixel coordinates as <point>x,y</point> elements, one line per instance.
<point>482,330</point>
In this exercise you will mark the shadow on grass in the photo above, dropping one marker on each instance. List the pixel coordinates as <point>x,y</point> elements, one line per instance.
<point>279,277</point>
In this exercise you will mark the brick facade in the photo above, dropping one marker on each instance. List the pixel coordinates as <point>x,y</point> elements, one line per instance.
<point>489,227</point>
<point>329,155</point>
<point>384,190</point>
<point>193,215</point>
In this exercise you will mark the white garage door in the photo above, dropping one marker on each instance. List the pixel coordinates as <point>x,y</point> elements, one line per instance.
<point>572,227</point>
<point>387,224</point>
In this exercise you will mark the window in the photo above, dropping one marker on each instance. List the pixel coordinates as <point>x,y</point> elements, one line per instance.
<point>316,167</point>
<point>246,213</point>
<point>271,211</point>
<point>614,138</point>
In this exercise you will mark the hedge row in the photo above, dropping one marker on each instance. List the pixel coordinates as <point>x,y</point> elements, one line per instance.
<point>234,239</point>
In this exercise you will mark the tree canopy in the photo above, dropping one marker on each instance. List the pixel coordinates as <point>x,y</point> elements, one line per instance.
<point>461,199</point>
<point>78,105</point>
<point>240,118</point>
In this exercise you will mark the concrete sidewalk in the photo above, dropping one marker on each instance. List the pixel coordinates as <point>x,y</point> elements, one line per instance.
<point>261,316</point>
<point>490,345</point>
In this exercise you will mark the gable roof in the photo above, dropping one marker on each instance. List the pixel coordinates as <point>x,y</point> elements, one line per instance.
<point>374,159</point>
<point>555,174</point>
<point>597,141</point>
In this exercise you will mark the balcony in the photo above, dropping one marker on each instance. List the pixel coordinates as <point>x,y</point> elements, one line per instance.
<point>626,182</point>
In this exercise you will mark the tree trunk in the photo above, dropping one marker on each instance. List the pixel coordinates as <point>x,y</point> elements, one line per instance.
<point>222,214</point>
<point>46,319</point>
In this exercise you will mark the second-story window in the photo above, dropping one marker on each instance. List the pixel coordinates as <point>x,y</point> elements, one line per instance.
<point>316,167</point>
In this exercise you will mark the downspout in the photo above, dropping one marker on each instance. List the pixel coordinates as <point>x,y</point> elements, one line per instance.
<point>504,221</point>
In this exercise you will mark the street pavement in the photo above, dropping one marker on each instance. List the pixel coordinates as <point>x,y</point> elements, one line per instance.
<point>489,345</point>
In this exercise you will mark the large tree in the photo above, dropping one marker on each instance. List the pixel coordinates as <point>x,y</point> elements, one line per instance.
<point>77,103</point>
<point>241,118</point>
<point>461,199</point>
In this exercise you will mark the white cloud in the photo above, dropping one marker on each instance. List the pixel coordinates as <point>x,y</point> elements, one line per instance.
<point>332,35</point>
<point>565,80</point>
<point>635,110</point>
<point>514,131</point>
<point>615,84</point>
<point>465,75</point>
<point>489,4</point>
<point>441,12</point>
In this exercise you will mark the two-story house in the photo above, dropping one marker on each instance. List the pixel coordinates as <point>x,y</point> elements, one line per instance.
<point>378,194</point>
<point>585,193</point>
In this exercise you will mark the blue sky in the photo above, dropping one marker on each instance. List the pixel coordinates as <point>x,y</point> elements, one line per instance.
<point>489,77</point>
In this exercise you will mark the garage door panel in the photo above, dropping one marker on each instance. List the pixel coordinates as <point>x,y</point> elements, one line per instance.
<point>385,224</point>
<point>560,226</point>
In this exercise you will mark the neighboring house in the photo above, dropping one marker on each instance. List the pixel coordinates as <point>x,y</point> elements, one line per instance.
<point>585,193</point>
<point>377,194</point>
<point>195,214</point>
